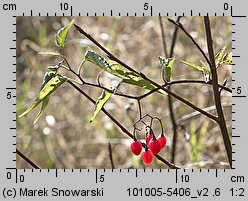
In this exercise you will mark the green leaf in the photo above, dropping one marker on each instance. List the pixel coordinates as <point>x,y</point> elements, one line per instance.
<point>218,56</point>
<point>131,77</point>
<point>198,68</point>
<point>42,109</point>
<point>100,103</point>
<point>98,60</point>
<point>50,53</point>
<point>48,86</point>
<point>47,77</point>
<point>62,33</point>
<point>205,67</point>
<point>114,69</point>
<point>167,64</point>
<point>227,59</point>
<point>118,71</point>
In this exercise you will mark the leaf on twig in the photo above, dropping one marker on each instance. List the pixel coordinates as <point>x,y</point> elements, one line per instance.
<point>50,53</point>
<point>42,109</point>
<point>62,33</point>
<point>167,64</point>
<point>100,103</point>
<point>227,59</point>
<point>51,82</point>
<point>118,71</point>
<point>219,56</point>
<point>205,67</point>
<point>198,68</point>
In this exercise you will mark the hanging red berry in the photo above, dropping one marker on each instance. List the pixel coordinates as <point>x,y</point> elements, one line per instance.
<point>162,139</point>
<point>147,157</point>
<point>136,147</point>
<point>148,138</point>
<point>155,146</point>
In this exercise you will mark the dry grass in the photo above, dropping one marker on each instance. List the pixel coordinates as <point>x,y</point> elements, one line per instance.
<point>72,142</point>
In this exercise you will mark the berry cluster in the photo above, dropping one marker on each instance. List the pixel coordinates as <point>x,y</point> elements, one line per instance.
<point>152,146</point>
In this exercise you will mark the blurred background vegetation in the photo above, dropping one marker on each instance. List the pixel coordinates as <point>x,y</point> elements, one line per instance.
<point>64,138</point>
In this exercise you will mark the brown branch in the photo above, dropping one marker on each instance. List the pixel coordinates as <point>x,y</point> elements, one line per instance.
<point>217,97</point>
<point>139,108</point>
<point>29,161</point>
<point>180,82</point>
<point>199,82</point>
<point>110,156</point>
<point>171,165</point>
<point>163,36</point>
<point>174,38</point>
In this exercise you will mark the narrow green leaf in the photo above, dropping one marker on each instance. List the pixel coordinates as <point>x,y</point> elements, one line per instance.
<point>47,77</point>
<point>118,71</point>
<point>167,64</point>
<point>227,59</point>
<point>131,77</point>
<point>100,103</point>
<point>42,109</point>
<point>198,68</point>
<point>62,33</point>
<point>205,67</point>
<point>50,53</point>
<point>219,56</point>
<point>47,88</point>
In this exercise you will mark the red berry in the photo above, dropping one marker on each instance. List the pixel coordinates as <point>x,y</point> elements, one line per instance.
<point>162,140</point>
<point>148,138</point>
<point>147,157</point>
<point>136,147</point>
<point>155,146</point>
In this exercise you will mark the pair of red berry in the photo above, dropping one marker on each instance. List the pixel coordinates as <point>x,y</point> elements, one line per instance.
<point>152,146</point>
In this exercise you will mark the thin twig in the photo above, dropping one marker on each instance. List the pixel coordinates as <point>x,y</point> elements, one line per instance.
<point>29,161</point>
<point>191,38</point>
<point>199,82</point>
<point>180,82</point>
<point>170,103</point>
<point>217,97</point>
<point>174,38</point>
<point>110,155</point>
<point>163,36</point>
<point>171,165</point>
<point>139,107</point>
